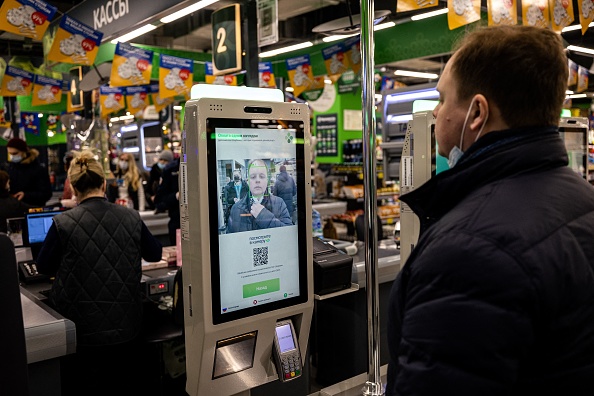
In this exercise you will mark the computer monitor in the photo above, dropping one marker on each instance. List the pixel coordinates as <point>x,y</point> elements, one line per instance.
<point>37,225</point>
<point>256,266</point>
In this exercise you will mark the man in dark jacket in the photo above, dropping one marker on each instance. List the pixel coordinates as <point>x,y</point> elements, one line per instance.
<point>497,296</point>
<point>167,197</point>
<point>234,191</point>
<point>258,209</point>
<point>285,188</point>
<point>29,180</point>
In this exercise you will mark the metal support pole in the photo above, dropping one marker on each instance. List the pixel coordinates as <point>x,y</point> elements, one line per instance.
<point>249,37</point>
<point>373,386</point>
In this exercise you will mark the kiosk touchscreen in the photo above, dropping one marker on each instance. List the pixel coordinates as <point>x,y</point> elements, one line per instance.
<point>246,241</point>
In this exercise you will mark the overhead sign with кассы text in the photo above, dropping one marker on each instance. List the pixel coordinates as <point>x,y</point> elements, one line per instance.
<point>113,17</point>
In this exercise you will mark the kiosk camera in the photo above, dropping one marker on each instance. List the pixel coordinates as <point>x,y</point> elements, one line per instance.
<point>248,272</point>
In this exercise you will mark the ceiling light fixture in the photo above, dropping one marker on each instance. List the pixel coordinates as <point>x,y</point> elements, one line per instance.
<point>577,96</point>
<point>134,33</point>
<point>575,27</point>
<point>407,73</point>
<point>188,10</point>
<point>429,14</point>
<point>337,37</point>
<point>580,49</point>
<point>282,50</point>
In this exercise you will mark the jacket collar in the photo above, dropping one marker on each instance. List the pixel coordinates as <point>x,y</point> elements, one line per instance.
<point>497,155</point>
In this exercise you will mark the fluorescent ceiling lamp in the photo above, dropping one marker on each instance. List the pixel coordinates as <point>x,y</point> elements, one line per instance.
<point>337,37</point>
<point>577,96</point>
<point>176,107</point>
<point>412,96</point>
<point>399,118</point>
<point>134,34</point>
<point>575,27</point>
<point>286,49</point>
<point>129,128</point>
<point>429,14</point>
<point>383,26</point>
<point>131,149</point>
<point>188,10</point>
<point>580,49</point>
<point>290,89</point>
<point>407,73</point>
<point>568,92</point>
<point>327,81</point>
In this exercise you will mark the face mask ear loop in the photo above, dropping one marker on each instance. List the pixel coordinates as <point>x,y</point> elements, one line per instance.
<point>464,126</point>
<point>483,127</point>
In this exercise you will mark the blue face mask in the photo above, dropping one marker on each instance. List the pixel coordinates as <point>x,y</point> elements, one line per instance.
<point>456,152</point>
<point>16,159</point>
<point>161,165</point>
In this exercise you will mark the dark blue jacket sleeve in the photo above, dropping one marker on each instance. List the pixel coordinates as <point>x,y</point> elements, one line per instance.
<point>50,254</point>
<point>150,248</point>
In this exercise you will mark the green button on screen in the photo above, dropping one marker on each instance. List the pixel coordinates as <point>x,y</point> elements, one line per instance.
<point>256,289</point>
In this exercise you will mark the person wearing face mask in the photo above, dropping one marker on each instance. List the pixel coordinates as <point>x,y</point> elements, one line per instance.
<point>127,188</point>
<point>9,205</point>
<point>496,297</point>
<point>258,209</point>
<point>165,157</point>
<point>234,191</point>
<point>29,180</point>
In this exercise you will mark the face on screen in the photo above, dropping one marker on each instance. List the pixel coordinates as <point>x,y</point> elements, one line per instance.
<point>258,177</point>
<point>258,261</point>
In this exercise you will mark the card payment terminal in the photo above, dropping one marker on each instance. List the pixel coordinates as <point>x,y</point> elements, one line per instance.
<point>286,351</point>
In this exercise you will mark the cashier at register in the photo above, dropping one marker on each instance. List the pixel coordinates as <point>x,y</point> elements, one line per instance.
<point>94,250</point>
<point>258,209</point>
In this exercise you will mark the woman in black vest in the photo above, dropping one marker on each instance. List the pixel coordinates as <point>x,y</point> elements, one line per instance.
<point>94,251</point>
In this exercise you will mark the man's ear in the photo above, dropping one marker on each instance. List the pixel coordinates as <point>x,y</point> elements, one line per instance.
<point>479,113</point>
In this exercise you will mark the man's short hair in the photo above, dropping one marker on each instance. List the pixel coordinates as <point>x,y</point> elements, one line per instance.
<point>522,69</point>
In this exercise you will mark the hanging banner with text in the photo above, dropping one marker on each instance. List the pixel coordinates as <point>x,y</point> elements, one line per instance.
<point>75,43</point>
<point>176,75</point>
<point>535,13</point>
<point>28,18</point>
<point>463,12</point>
<point>266,75</point>
<point>352,46</point>
<point>335,60</point>
<point>131,66</point>
<point>502,12</point>
<point>16,82</point>
<point>46,91</point>
<point>158,102</point>
<point>111,99</point>
<point>217,80</point>
<point>300,74</point>
<point>137,99</point>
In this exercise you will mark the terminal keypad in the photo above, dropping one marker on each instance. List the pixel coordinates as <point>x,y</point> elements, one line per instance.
<point>291,365</point>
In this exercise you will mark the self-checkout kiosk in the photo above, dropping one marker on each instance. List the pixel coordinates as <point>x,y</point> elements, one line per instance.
<point>247,279</point>
<point>419,163</point>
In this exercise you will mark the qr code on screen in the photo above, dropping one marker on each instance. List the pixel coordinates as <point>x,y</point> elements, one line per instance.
<point>260,256</point>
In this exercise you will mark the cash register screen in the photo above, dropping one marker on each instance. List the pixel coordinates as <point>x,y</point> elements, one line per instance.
<point>257,222</point>
<point>38,224</point>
